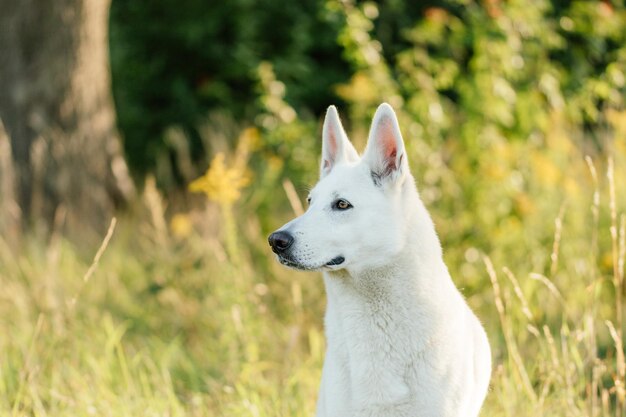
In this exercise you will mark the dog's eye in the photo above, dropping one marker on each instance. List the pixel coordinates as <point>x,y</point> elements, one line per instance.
<point>308,200</point>
<point>341,204</point>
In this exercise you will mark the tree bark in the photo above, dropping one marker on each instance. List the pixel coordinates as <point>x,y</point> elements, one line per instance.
<point>57,109</point>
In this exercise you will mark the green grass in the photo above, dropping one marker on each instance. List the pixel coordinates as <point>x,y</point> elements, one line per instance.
<point>207,324</point>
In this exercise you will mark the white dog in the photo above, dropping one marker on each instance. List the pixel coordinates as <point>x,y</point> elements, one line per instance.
<point>401,341</point>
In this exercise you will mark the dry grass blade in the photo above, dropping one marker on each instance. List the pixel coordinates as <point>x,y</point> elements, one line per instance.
<point>595,208</point>
<point>616,333</point>
<point>101,249</point>
<point>96,260</point>
<point>617,273</point>
<point>543,279</point>
<point>622,249</point>
<point>554,256</point>
<point>606,402</point>
<point>496,288</point>
<point>568,365</point>
<point>552,345</point>
<point>520,296</point>
<point>618,282</point>
<point>620,390</point>
<point>596,374</point>
<point>292,196</point>
<point>156,207</point>
<point>610,174</point>
<point>508,334</point>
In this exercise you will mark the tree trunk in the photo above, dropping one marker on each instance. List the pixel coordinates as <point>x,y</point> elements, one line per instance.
<point>56,106</point>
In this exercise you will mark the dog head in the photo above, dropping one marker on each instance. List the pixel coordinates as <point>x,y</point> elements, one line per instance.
<point>355,219</point>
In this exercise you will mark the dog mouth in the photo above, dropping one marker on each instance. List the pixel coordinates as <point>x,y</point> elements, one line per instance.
<point>291,263</point>
<point>336,261</point>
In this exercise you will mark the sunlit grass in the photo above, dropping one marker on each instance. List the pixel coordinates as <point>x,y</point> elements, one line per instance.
<point>185,314</point>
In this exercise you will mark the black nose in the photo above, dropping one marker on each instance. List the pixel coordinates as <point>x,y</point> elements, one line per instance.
<point>280,241</point>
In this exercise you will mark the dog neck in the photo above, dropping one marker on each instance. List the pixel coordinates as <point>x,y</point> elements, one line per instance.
<point>406,275</point>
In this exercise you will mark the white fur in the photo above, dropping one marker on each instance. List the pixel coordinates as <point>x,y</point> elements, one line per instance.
<point>401,340</point>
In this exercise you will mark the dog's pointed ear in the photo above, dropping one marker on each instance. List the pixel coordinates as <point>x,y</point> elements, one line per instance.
<point>385,152</point>
<point>336,147</point>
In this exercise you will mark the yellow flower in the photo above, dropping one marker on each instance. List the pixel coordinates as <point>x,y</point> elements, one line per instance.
<point>221,183</point>
<point>180,225</point>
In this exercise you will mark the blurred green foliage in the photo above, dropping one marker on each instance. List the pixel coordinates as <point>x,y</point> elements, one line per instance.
<point>461,70</point>
<point>173,62</point>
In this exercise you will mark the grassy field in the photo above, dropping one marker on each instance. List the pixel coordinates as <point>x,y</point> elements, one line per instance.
<point>184,312</point>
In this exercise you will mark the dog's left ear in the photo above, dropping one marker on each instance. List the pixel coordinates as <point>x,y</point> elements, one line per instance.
<point>385,152</point>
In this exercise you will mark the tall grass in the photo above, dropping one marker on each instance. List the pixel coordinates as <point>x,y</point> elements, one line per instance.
<point>571,360</point>
<point>183,312</point>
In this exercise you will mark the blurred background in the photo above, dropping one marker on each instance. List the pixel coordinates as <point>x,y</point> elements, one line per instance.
<point>148,148</point>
